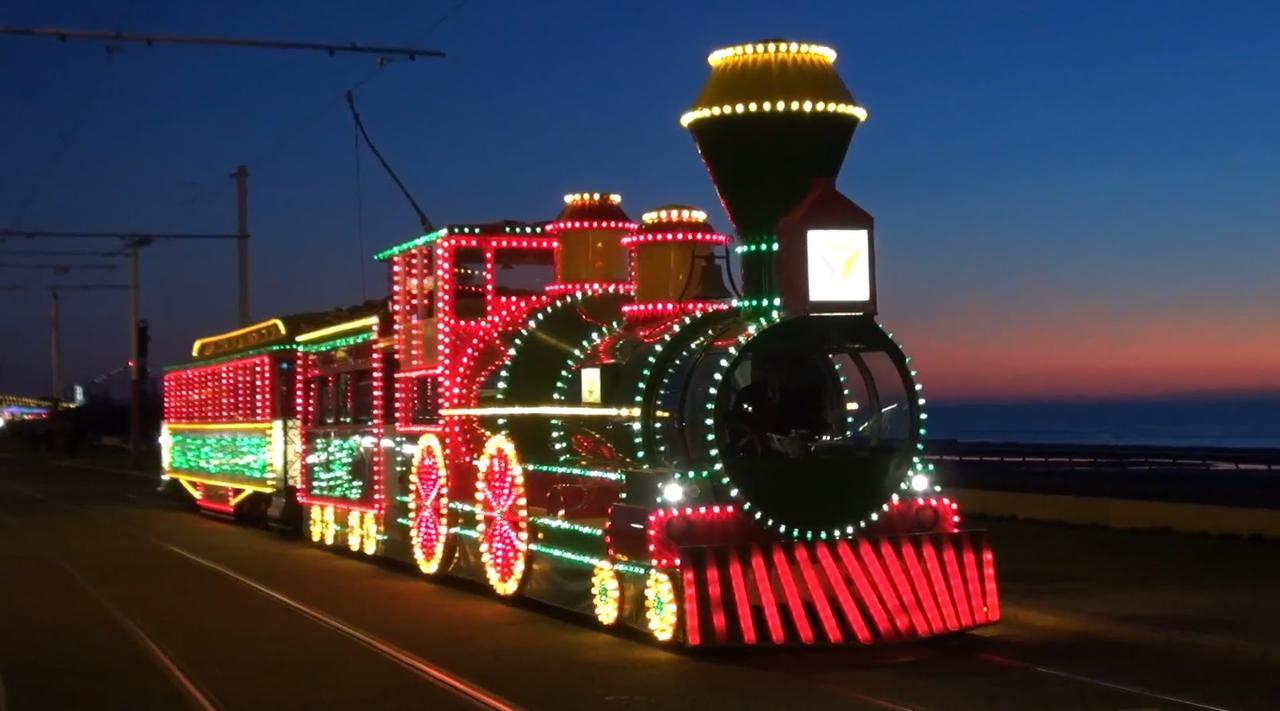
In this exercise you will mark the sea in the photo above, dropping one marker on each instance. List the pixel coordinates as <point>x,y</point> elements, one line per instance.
<point>1240,422</point>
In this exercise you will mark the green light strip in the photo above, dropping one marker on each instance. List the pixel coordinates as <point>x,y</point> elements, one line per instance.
<point>221,454</point>
<point>460,531</point>
<point>576,471</point>
<point>631,568</point>
<point>335,343</point>
<point>761,303</point>
<point>228,358</point>
<point>568,526</point>
<point>415,242</point>
<point>566,555</point>
<point>459,506</point>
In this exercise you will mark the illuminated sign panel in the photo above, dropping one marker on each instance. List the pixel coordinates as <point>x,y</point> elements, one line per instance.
<point>591,386</point>
<point>241,339</point>
<point>839,265</point>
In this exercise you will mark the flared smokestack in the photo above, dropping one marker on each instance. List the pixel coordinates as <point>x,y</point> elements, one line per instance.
<point>773,116</point>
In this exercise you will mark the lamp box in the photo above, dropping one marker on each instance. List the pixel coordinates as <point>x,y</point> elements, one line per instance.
<point>826,255</point>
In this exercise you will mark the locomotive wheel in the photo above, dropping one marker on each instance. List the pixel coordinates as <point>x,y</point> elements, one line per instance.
<point>660,609</point>
<point>355,531</point>
<point>429,505</point>
<point>315,521</point>
<point>371,534</point>
<point>503,515</point>
<point>605,593</point>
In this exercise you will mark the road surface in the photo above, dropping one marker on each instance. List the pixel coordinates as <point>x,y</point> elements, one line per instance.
<point>113,596</point>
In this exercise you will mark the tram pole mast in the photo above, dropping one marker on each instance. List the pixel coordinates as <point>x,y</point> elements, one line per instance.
<point>55,346</point>
<point>242,240</point>
<point>135,381</point>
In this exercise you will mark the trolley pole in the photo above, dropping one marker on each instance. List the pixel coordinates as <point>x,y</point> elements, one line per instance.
<point>242,240</point>
<point>55,346</point>
<point>135,382</point>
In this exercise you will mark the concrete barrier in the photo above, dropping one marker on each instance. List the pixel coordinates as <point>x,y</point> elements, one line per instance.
<point>1120,513</point>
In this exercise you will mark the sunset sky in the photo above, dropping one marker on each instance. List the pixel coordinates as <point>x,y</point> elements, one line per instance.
<point>1071,199</point>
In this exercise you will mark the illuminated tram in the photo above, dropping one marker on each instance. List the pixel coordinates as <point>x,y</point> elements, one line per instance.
<point>583,412</point>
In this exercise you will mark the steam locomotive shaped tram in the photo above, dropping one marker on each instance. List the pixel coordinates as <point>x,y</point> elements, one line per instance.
<point>591,412</point>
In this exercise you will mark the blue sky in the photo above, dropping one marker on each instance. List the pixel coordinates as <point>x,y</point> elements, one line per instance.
<point>1071,198</point>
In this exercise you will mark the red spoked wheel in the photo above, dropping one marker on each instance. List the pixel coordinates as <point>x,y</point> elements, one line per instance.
<point>429,504</point>
<point>502,517</point>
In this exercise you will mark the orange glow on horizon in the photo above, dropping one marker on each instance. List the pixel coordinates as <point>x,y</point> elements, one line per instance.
<point>1098,355</point>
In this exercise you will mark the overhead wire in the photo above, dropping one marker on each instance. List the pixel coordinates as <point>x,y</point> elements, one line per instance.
<point>355,142</point>
<point>67,137</point>
<point>296,129</point>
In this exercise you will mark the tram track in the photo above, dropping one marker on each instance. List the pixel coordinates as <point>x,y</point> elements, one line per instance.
<point>199,697</point>
<point>862,688</point>
<point>430,672</point>
<point>1081,678</point>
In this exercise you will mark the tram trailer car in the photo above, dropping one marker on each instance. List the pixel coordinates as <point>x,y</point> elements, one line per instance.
<point>580,411</point>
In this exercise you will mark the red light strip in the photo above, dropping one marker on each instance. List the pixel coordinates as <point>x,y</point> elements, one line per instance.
<point>939,584</point>
<point>590,225</point>
<point>783,567</point>
<point>818,595</point>
<point>921,584</point>
<point>713,594</point>
<point>767,601</point>
<point>214,506</point>
<point>847,605</point>
<point>594,287</point>
<point>692,635</point>
<point>233,391</point>
<point>989,576</point>
<point>740,599</point>
<point>956,583</point>
<point>865,591</point>
<point>643,238</point>
<point>887,594</point>
<point>975,586</point>
<point>649,309</point>
<point>904,588</point>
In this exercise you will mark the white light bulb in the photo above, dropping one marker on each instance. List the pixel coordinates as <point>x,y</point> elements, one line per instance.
<point>920,482</point>
<point>673,492</point>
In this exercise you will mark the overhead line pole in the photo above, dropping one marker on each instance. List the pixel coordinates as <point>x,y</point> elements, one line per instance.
<point>242,240</point>
<point>55,324</point>
<point>135,381</point>
<point>55,346</point>
<point>116,36</point>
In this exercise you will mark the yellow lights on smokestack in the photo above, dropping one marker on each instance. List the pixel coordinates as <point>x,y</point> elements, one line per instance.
<point>746,77</point>
<point>805,105</point>
<point>587,198</point>
<point>674,215</point>
<point>772,50</point>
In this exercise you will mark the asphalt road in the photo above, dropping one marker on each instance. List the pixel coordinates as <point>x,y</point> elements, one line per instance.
<point>112,596</point>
